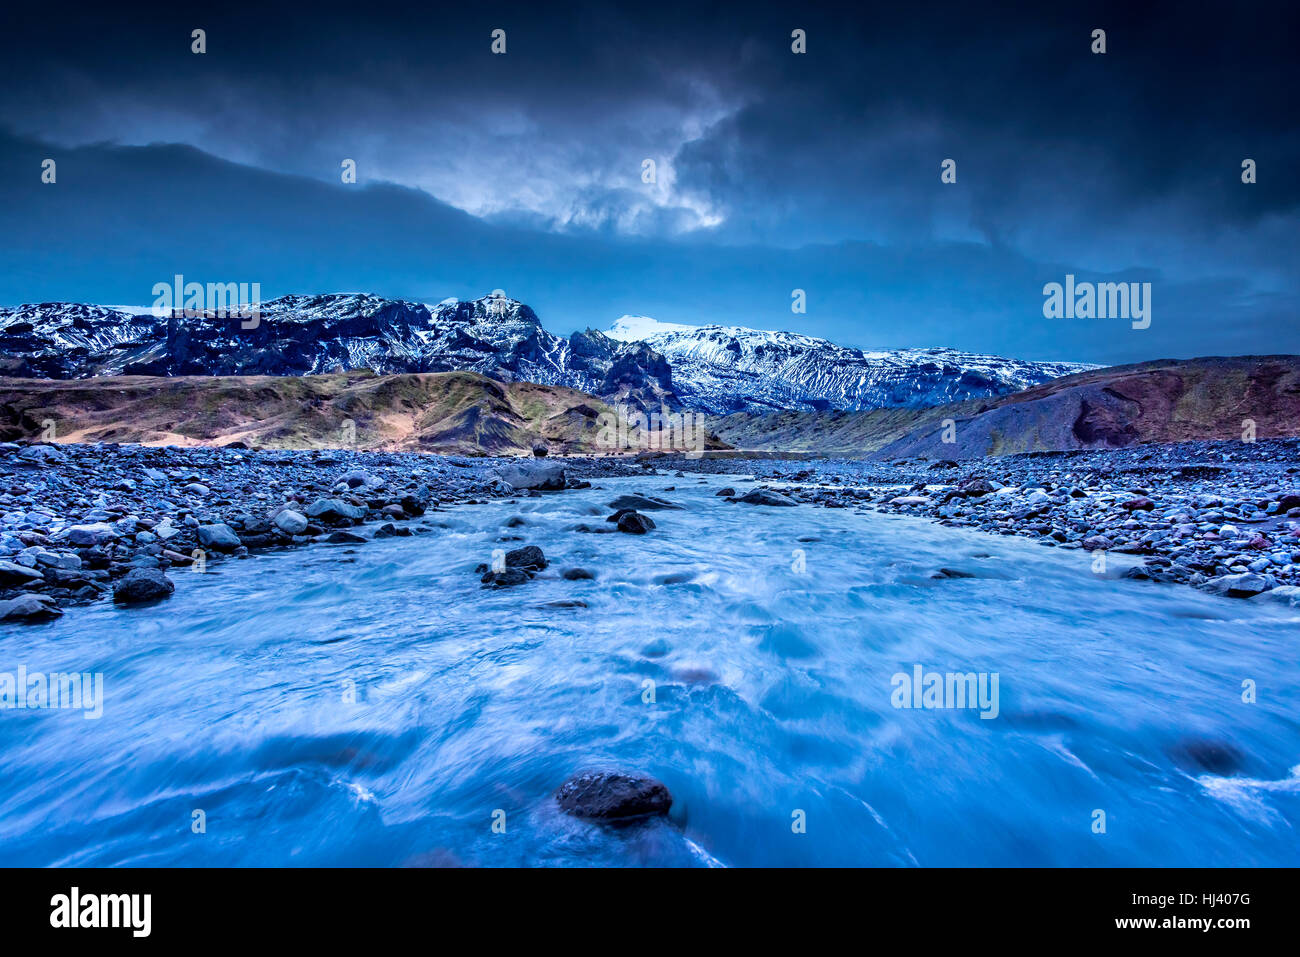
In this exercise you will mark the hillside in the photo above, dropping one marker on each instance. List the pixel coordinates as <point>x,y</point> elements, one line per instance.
<point>461,412</point>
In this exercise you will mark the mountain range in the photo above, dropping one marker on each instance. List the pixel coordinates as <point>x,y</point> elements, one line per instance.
<point>640,362</point>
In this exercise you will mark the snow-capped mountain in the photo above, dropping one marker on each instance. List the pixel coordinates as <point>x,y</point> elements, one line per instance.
<point>715,369</point>
<point>722,369</point>
<point>305,335</point>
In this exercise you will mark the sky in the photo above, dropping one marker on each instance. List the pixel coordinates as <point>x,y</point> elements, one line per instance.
<point>774,170</point>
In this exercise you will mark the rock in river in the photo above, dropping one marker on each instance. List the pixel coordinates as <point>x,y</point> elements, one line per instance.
<point>29,608</point>
<point>634,523</point>
<point>646,503</point>
<point>142,585</point>
<point>763,496</point>
<point>611,796</point>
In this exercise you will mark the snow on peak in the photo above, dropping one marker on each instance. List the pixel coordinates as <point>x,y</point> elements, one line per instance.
<point>636,328</point>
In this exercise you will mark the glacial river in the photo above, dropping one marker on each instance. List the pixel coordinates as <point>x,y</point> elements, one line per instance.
<point>372,705</point>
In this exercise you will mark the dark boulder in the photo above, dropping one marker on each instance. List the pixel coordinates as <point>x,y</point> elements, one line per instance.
<point>611,796</point>
<point>505,579</point>
<point>528,557</point>
<point>645,503</point>
<point>29,609</point>
<point>763,496</point>
<point>142,585</point>
<point>634,523</point>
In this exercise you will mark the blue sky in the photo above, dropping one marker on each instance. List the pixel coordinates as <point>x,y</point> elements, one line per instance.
<point>775,171</point>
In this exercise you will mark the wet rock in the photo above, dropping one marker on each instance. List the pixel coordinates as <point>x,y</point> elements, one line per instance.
<point>506,579</point>
<point>1286,594</point>
<point>728,491</point>
<point>12,573</point>
<point>977,487</point>
<point>29,609</point>
<point>576,574</point>
<point>345,538</point>
<point>291,522</point>
<point>530,557</point>
<point>94,534</point>
<point>357,478</point>
<point>762,496</point>
<point>634,523</point>
<point>548,477</point>
<point>334,511</point>
<point>613,796</point>
<point>1139,504</point>
<point>43,455</point>
<point>143,585</point>
<point>1244,585</point>
<point>645,503</point>
<point>219,537</point>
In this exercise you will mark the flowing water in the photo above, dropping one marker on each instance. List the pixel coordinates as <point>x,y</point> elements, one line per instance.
<point>374,706</point>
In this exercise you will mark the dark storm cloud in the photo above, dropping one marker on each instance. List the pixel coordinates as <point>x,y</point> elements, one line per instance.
<point>821,169</point>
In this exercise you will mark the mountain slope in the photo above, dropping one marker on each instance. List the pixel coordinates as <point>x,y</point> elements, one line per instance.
<point>461,412</point>
<point>724,369</point>
<point>1162,401</point>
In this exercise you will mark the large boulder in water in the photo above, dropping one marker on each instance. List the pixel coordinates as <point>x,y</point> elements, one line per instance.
<point>612,796</point>
<point>544,476</point>
<point>644,503</point>
<point>143,585</point>
<point>529,558</point>
<point>763,496</point>
<point>634,523</point>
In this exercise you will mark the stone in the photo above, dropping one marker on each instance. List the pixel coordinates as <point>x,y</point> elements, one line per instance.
<point>291,522</point>
<point>613,796</point>
<point>634,523</point>
<point>547,477</point>
<point>528,557</point>
<point>11,573</point>
<point>218,537</point>
<point>96,534</point>
<point>1245,585</point>
<point>761,496</point>
<point>334,511</point>
<point>645,503</point>
<point>29,609</point>
<point>142,585</point>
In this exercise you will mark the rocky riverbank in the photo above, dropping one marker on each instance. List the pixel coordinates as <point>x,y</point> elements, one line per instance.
<point>84,523</point>
<point>1223,516</point>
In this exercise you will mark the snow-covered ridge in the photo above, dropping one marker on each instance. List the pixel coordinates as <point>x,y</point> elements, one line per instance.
<point>716,369</point>
<point>733,368</point>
